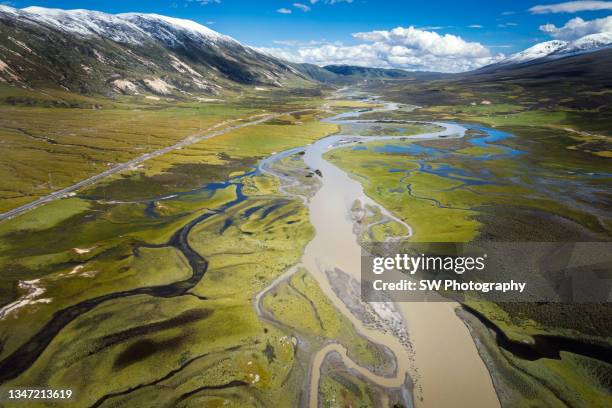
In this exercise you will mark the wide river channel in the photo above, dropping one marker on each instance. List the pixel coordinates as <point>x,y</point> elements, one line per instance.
<point>443,361</point>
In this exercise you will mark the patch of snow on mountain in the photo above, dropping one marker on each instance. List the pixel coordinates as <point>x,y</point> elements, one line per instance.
<point>8,10</point>
<point>589,42</point>
<point>188,25</point>
<point>537,51</point>
<point>171,30</point>
<point>558,48</point>
<point>87,23</point>
<point>131,28</point>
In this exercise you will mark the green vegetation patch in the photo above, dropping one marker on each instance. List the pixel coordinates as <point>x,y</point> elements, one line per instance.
<point>300,304</point>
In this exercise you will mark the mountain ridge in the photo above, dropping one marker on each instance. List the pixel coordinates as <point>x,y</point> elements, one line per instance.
<point>92,52</point>
<point>559,48</point>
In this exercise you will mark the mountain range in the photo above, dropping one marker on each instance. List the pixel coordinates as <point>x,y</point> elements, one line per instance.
<point>91,52</point>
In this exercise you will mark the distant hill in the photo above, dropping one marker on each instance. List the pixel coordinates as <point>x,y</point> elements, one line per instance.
<point>319,74</point>
<point>576,81</point>
<point>366,72</point>
<point>351,74</point>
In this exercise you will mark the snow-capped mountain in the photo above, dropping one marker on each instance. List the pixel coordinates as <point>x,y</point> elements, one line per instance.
<point>537,51</point>
<point>558,48</point>
<point>94,52</point>
<point>588,43</point>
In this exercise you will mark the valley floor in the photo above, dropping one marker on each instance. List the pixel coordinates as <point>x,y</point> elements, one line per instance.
<point>185,279</point>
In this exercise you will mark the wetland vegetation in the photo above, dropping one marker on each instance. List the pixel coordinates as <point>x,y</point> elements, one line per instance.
<point>508,182</point>
<point>177,279</point>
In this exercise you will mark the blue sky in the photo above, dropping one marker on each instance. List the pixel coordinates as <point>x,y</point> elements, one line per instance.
<point>501,27</point>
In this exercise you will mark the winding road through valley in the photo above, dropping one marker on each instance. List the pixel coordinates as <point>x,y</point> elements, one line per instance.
<point>210,133</point>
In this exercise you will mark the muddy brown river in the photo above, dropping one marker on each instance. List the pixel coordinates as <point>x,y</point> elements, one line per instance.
<point>443,361</point>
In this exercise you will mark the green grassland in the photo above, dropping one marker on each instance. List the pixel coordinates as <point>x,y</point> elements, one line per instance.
<point>573,380</point>
<point>340,388</point>
<point>214,159</point>
<point>114,260</point>
<point>52,139</point>
<point>459,204</point>
<point>429,222</point>
<point>577,104</point>
<point>389,129</point>
<point>299,303</point>
<point>199,343</point>
<point>193,350</point>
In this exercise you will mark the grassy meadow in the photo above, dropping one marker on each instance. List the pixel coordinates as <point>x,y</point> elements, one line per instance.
<point>53,139</point>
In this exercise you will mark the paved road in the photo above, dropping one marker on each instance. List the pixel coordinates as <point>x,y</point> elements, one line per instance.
<point>134,162</point>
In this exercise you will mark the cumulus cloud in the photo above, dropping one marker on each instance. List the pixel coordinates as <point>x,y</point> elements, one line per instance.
<point>302,7</point>
<point>577,28</point>
<point>421,41</point>
<point>283,11</point>
<point>571,7</point>
<point>402,47</point>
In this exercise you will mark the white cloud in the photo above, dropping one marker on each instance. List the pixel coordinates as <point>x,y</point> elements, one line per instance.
<point>330,1</point>
<point>474,26</point>
<point>429,28</point>
<point>300,43</point>
<point>409,48</point>
<point>571,7</point>
<point>284,53</point>
<point>302,7</point>
<point>577,28</point>
<point>205,2</point>
<point>283,11</point>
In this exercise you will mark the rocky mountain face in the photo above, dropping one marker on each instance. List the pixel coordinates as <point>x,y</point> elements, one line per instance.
<point>91,52</point>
